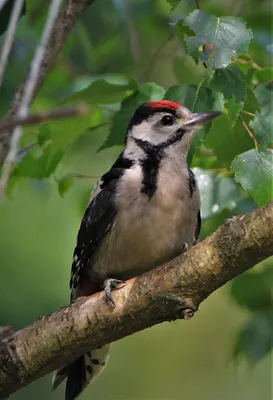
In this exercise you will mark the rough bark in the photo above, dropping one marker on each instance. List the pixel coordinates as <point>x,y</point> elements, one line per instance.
<point>171,291</point>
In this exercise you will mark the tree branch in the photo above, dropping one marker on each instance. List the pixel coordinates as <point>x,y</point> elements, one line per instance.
<point>43,116</point>
<point>62,28</point>
<point>169,292</point>
<point>15,15</point>
<point>27,94</point>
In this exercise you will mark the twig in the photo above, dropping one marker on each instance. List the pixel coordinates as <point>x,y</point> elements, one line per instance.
<point>79,176</point>
<point>36,118</point>
<point>253,63</point>
<point>16,12</point>
<point>32,145</point>
<point>169,292</point>
<point>197,4</point>
<point>92,128</point>
<point>27,148</point>
<point>28,91</point>
<point>248,113</point>
<point>134,40</point>
<point>2,3</point>
<point>249,132</point>
<point>62,28</point>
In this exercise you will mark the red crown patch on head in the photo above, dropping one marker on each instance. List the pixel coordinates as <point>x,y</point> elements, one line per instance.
<point>172,105</point>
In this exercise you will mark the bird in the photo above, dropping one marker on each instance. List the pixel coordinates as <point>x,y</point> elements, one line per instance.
<point>142,213</point>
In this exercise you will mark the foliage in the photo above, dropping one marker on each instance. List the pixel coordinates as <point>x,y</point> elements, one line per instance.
<point>211,60</point>
<point>228,79</point>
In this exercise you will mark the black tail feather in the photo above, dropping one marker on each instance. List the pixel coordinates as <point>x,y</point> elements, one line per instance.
<point>76,379</point>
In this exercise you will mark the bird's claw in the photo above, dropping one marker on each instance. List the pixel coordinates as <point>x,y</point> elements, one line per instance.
<point>109,285</point>
<point>185,247</point>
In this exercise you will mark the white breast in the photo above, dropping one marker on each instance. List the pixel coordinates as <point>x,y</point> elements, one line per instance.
<point>148,232</point>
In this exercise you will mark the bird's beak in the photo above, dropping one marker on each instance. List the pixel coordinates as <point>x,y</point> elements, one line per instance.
<point>202,117</point>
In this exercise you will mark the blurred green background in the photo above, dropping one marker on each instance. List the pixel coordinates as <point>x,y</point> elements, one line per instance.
<point>189,360</point>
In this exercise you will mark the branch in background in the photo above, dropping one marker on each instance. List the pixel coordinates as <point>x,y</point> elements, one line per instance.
<point>28,92</point>
<point>250,134</point>
<point>253,63</point>
<point>169,292</point>
<point>32,145</point>
<point>62,28</point>
<point>37,118</point>
<point>15,15</point>
<point>2,3</point>
<point>27,148</point>
<point>134,40</point>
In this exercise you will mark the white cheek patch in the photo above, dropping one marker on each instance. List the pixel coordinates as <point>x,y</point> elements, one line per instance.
<point>153,132</point>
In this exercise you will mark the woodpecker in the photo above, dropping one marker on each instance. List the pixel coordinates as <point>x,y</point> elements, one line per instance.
<point>143,212</point>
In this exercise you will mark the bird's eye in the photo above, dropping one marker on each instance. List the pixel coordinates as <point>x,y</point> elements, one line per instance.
<point>167,120</point>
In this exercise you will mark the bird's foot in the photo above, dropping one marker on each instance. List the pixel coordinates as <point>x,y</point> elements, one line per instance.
<point>188,309</point>
<point>185,247</point>
<point>109,285</point>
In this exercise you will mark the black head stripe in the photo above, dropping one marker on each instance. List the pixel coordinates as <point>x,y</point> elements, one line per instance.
<point>151,162</point>
<point>150,166</point>
<point>158,148</point>
<point>173,139</point>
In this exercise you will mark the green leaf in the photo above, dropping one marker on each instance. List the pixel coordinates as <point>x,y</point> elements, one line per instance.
<point>263,121</point>
<point>173,3</point>
<point>253,170</point>
<point>185,70</point>
<point>227,140</point>
<point>224,37</point>
<point>101,92</point>
<point>218,192</point>
<point>39,165</point>
<point>152,91</point>
<point>146,92</point>
<point>65,131</point>
<point>265,75</point>
<point>231,82</point>
<point>44,135</point>
<point>65,184</point>
<point>5,14</point>
<point>183,31</point>
<point>197,99</point>
<point>255,339</point>
<point>251,291</point>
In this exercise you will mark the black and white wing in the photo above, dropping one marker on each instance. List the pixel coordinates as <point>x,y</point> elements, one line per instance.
<point>198,228</point>
<point>192,188</point>
<point>97,221</point>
